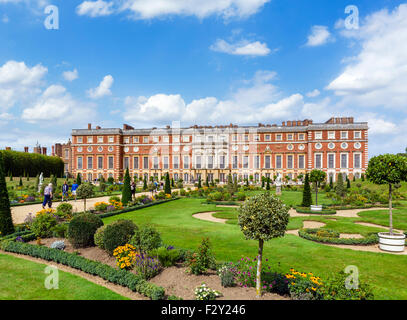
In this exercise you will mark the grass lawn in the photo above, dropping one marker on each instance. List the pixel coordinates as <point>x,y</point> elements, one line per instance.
<point>385,272</point>
<point>24,280</point>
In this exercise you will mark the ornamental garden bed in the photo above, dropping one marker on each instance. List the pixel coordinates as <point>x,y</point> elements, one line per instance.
<point>334,237</point>
<point>309,211</point>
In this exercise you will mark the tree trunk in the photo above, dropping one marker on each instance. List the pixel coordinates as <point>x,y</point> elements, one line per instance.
<point>316,193</point>
<point>84,204</point>
<point>259,262</point>
<point>390,209</point>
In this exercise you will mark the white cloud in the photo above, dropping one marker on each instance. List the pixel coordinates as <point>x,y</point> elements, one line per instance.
<point>103,89</point>
<point>257,101</point>
<point>18,82</point>
<point>95,8</point>
<point>313,94</point>
<point>377,75</point>
<point>243,48</point>
<point>148,9</point>
<point>319,36</point>
<point>5,19</point>
<point>70,75</point>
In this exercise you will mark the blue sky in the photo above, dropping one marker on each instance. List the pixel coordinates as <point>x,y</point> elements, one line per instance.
<point>151,62</point>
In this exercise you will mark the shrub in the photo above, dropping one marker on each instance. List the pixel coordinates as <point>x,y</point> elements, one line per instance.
<point>82,229</point>
<point>64,210</point>
<point>215,196</point>
<point>60,245</point>
<point>60,230</point>
<point>167,257</point>
<point>204,293</point>
<point>98,237</point>
<point>198,262</point>
<point>318,236</point>
<point>227,276</point>
<point>146,266</point>
<point>101,206</point>
<point>118,234</point>
<point>146,239</point>
<point>43,223</point>
<point>241,196</point>
<point>182,192</point>
<point>304,286</point>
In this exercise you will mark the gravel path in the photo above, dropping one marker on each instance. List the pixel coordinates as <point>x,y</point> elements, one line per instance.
<point>207,216</point>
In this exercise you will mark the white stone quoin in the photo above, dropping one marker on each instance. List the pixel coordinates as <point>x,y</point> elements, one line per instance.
<point>392,243</point>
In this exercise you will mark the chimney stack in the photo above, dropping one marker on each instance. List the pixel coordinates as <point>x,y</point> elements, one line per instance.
<point>44,151</point>
<point>53,150</point>
<point>25,149</point>
<point>89,126</point>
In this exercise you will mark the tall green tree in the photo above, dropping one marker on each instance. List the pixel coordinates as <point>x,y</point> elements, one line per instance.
<point>78,179</point>
<point>145,187</point>
<point>340,188</point>
<point>199,183</point>
<point>317,177</point>
<point>331,182</point>
<point>262,218</point>
<point>268,183</point>
<point>306,193</point>
<point>126,190</point>
<point>167,185</point>
<point>347,183</point>
<point>388,169</point>
<point>6,221</point>
<point>21,182</point>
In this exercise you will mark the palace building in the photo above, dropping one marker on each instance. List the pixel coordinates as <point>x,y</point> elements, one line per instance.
<point>293,148</point>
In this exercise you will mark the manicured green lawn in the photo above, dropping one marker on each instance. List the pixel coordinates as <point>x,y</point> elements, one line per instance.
<point>24,280</point>
<point>385,272</point>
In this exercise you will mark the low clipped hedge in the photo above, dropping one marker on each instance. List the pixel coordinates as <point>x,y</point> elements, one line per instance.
<point>26,235</point>
<point>121,277</point>
<point>309,211</point>
<point>224,203</point>
<point>311,234</point>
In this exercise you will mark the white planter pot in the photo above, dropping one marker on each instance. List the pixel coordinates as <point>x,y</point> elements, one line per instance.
<point>316,208</point>
<point>392,243</point>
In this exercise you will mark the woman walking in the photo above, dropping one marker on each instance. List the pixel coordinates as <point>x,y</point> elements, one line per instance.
<point>47,196</point>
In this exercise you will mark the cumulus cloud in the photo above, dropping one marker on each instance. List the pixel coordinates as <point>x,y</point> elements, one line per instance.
<point>95,8</point>
<point>242,48</point>
<point>377,75</point>
<point>147,9</point>
<point>257,100</point>
<point>103,89</point>
<point>70,75</point>
<point>19,82</point>
<point>313,93</point>
<point>319,36</point>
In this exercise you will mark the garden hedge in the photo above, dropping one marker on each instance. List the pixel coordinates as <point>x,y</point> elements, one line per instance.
<point>121,277</point>
<point>309,211</point>
<point>310,234</point>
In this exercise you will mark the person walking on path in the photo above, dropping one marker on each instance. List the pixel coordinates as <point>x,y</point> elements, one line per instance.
<point>65,189</point>
<point>73,189</point>
<point>47,196</point>
<point>133,190</point>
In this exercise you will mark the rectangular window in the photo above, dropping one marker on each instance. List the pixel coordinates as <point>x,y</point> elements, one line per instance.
<point>166,164</point>
<point>166,139</point>
<point>90,162</point>
<point>357,135</point>
<point>245,162</point>
<point>246,137</point>
<point>185,138</point>
<point>234,163</point>
<point>155,163</point>
<point>175,139</point>
<point>100,139</point>
<point>331,135</point>
<point>198,163</point>
<point>90,139</point>
<point>344,161</point>
<point>176,162</point>
<point>135,163</point>
<point>145,139</point>
<point>135,139</point>
<point>126,162</point>
<point>318,135</point>
<point>234,138</point>
<point>344,134</point>
<point>222,162</point>
<point>111,162</point>
<point>290,163</point>
<point>301,136</point>
<point>156,139</point>
<point>267,161</point>
<point>356,162</point>
<point>145,162</point>
<point>331,161</point>
<point>111,139</point>
<point>66,153</point>
<point>209,139</point>
<point>80,163</point>
<point>210,162</point>
<point>279,164</point>
<point>186,162</point>
<point>318,161</point>
<point>79,139</point>
<point>257,162</point>
<point>100,162</point>
<point>279,137</point>
<point>289,136</point>
<point>127,140</point>
<point>301,162</point>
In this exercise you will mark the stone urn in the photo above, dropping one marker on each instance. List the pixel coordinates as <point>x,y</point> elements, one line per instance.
<point>316,208</point>
<point>392,243</point>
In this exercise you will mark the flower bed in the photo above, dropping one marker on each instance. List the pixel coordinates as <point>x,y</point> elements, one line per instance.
<point>309,211</point>
<point>332,237</point>
<point>124,278</point>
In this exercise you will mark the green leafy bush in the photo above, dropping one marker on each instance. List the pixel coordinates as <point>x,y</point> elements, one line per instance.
<point>198,262</point>
<point>42,225</point>
<point>146,239</point>
<point>166,257</point>
<point>98,237</point>
<point>118,234</point>
<point>227,276</point>
<point>82,229</point>
<point>60,230</point>
<point>241,196</point>
<point>64,210</point>
<point>312,234</point>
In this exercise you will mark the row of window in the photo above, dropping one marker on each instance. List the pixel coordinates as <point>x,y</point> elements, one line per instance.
<point>344,161</point>
<point>343,135</point>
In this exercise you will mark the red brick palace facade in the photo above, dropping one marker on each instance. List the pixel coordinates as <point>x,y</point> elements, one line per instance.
<point>339,145</point>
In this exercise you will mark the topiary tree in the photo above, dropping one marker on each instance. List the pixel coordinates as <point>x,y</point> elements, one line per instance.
<point>262,182</point>
<point>79,179</point>
<point>340,188</point>
<point>387,169</point>
<point>317,176</point>
<point>268,184</point>
<point>145,183</point>
<point>6,221</point>
<point>82,228</point>
<point>21,182</point>
<point>167,186</point>
<point>362,177</point>
<point>306,193</point>
<point>199,183</point>
<point>331,182</point>
<point>126,191</point>
<point>207,181</point>
<point>85,191</point>
<point>117,234</point>
<point>172,183</point>
<point>347,183</point>
<point>261,218</point>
